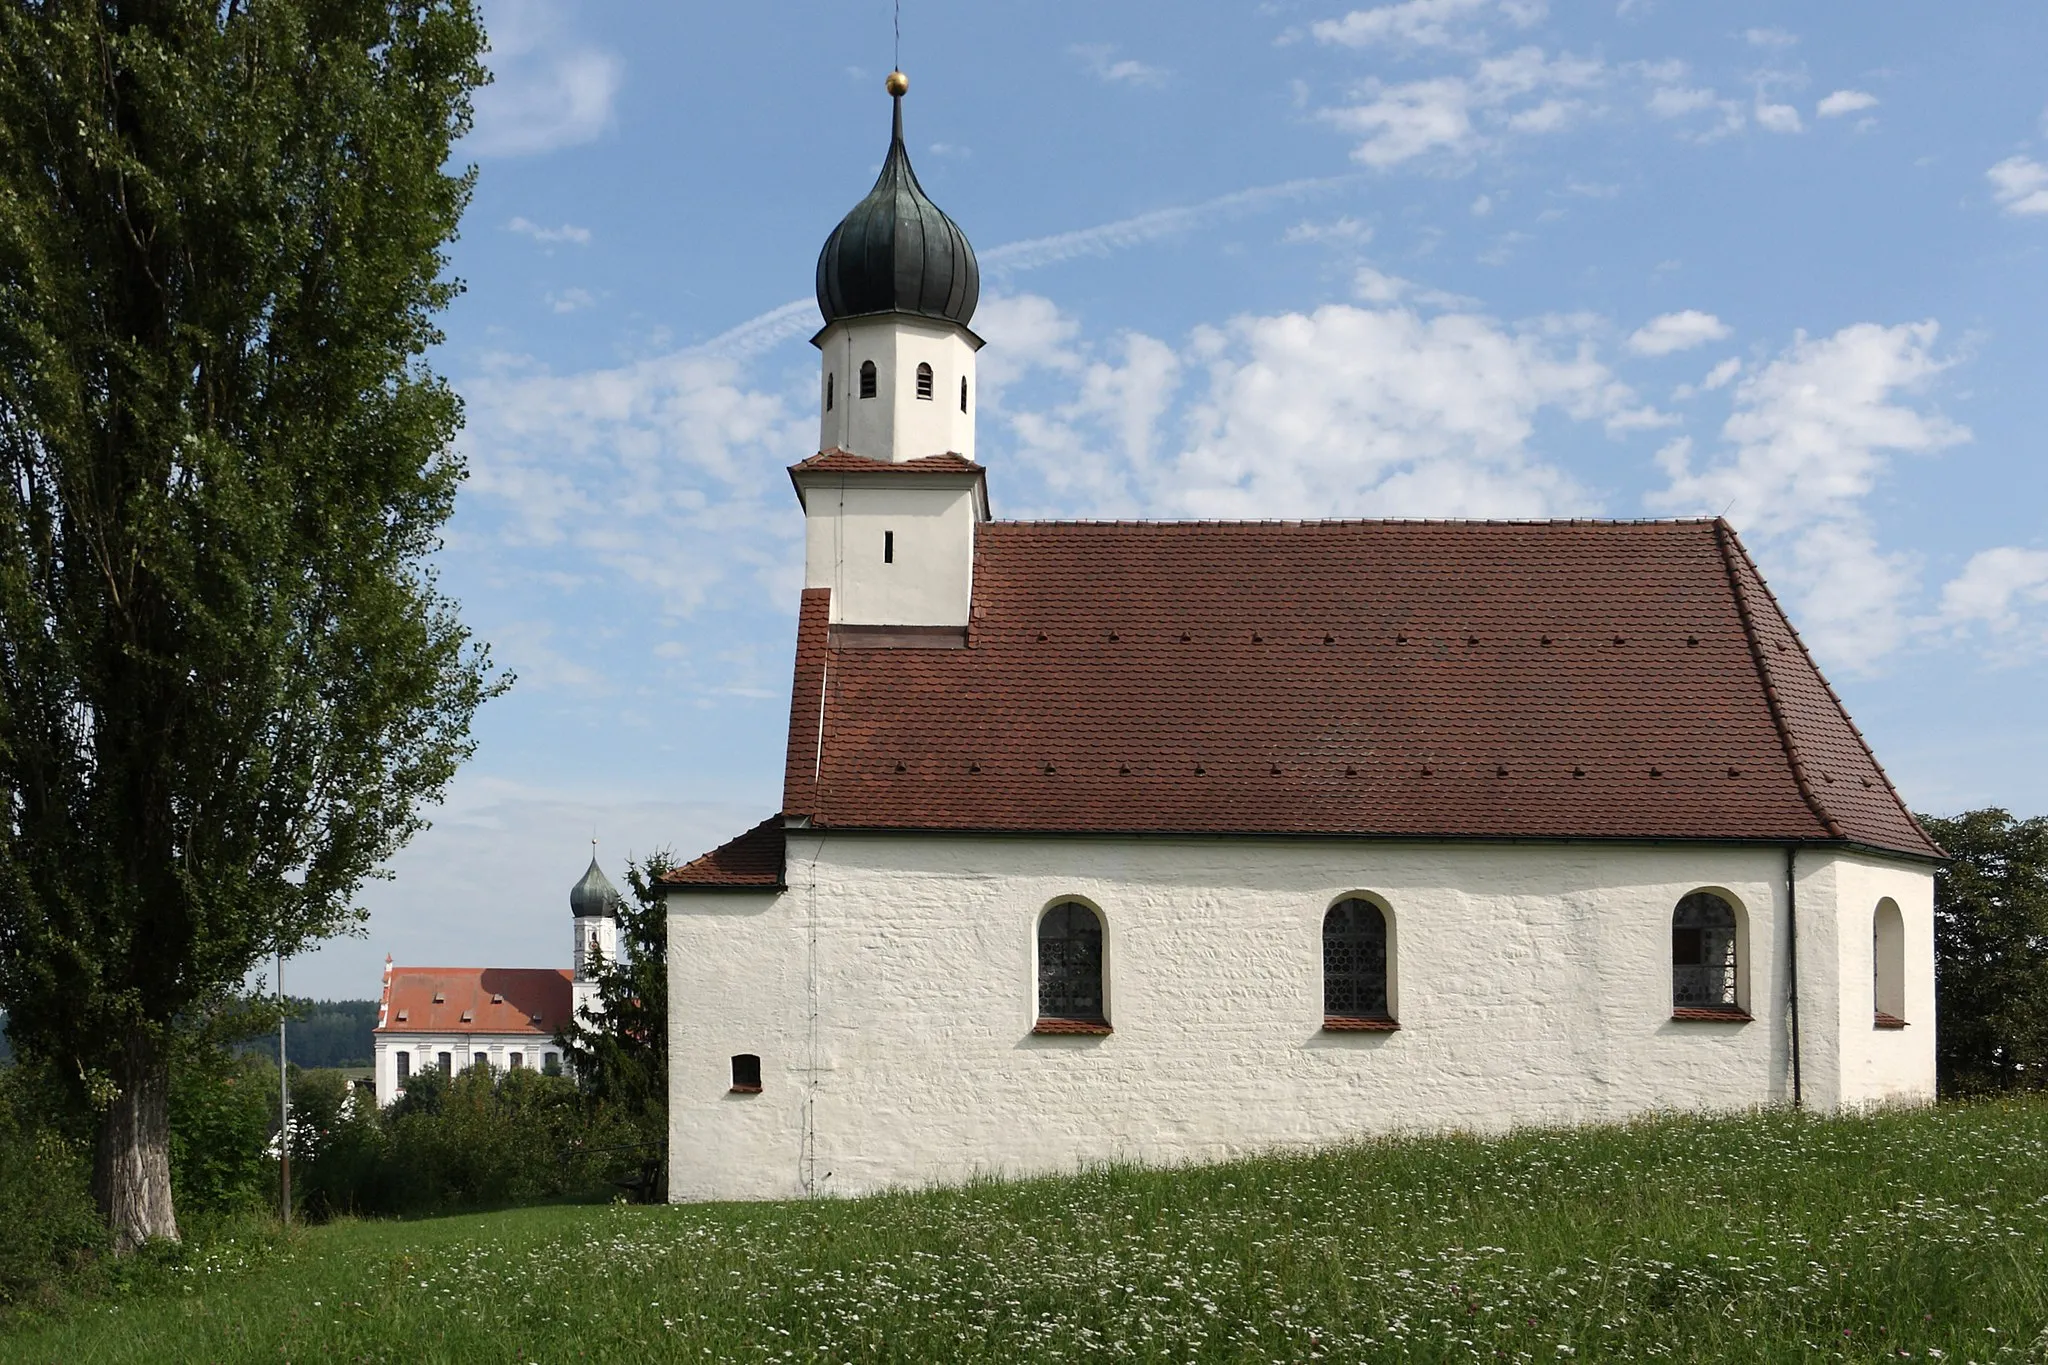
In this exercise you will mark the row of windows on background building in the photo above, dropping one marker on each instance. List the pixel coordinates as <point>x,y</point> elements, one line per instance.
<point>1706,975</point>
<point>550,1062</point>
<point>925,383</point>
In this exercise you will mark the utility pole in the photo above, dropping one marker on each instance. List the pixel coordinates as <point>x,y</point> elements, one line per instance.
<point>284,1109</point>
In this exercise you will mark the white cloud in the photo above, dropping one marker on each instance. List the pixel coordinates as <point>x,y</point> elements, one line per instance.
<point>1345,231</point>
<point>572,300</point>
<point>1101,62</point>
<point>1146,227</point>
<point>2020,185</point>
<point>1678,332</point>
<point>1992,583</point>
<point>1845,102</point>
<point>1807,443</point>
<point>1482,206</point>
<point>1424,23</point>
<point>1778,118</point>
<point>549,91</point>
<point>1770,38</point>
<point>1515,92</point>
<point>1722,374</point>
<point>567,232</point>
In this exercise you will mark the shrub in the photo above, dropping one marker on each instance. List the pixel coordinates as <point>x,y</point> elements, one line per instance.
<point>223,1111</point>
<point>49,1225</point>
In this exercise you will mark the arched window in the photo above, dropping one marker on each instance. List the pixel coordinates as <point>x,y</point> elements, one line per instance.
<point>404,1067</point>
<point>1888,964</point>
<point>828,391</point>
<point>924,381</point>
<point>1355,965</point>
<point>1070,970</point>
<point>1704,972</point>
<point>963,393</point>
<point>867,379</point>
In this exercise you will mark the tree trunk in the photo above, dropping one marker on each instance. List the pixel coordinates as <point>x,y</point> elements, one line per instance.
<point>131,1175</point>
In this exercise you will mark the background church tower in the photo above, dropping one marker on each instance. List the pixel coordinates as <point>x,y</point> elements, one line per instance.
<point>594,902</point>
<point>893,497</point>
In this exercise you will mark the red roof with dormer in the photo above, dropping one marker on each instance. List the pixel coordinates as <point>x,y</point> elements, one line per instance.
<point>444,1000</point>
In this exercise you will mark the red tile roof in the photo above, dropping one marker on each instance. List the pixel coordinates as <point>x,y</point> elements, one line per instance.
<point>754,860</point>
<point>837,461</point>
<point>1542,680</point>
<point>533,1000</point>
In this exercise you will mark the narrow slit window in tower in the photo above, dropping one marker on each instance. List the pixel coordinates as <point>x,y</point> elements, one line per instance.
<point>867,379</point>
<point>963,393</point>
<point>828,392</point>
<point>924,381</point>
<point>888,547</point>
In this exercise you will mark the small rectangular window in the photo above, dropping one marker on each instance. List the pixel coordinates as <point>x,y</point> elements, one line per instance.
<point>404,1067</point>
<point>517,1061</point>
<point>551,1063</point>
<point>480,1060</point>
<point>888,547</point>
<point>746,1074</point>
<point>446,1061</point>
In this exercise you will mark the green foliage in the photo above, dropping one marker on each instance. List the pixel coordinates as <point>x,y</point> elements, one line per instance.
<point>229,682</point>
<point>223,1111</point>
<point>478,1139</point>
<point>322,1034</point>
<point>1774,1236</point>
<point>620,1054</point>
<point>48,1225</point>
<point>1991,952</point>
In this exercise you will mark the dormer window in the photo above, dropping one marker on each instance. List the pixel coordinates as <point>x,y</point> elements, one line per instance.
<point>440,999</point>
<point>867,379</point>
<point>924,381</point>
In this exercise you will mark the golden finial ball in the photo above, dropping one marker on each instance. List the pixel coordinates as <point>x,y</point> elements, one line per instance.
<point>897,83</point>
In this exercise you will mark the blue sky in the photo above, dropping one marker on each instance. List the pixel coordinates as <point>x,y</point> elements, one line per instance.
<point>1433,258</point>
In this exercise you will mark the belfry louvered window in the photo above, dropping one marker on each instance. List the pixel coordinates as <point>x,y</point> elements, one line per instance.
<point>924,381</point>
<point>1070,965</point>
<point>867,379</point>
<point>1355,961</point>
<point>1703,964</point>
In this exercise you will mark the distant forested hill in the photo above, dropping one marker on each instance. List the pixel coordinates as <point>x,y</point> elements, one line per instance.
<point>334,1033</point>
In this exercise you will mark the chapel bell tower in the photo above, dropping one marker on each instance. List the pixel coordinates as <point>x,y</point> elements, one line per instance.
<point>892,499</point>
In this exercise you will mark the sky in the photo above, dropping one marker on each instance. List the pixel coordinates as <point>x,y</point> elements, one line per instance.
<point>1448,258</point>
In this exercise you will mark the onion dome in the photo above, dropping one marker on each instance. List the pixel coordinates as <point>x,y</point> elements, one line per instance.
<point>896,252</point>
<point>594,896</point>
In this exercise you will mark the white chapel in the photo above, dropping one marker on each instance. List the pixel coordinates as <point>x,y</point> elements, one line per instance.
<point>1175,841</point>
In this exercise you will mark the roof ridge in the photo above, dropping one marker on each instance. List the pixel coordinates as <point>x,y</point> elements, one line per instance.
<point>1724,539</point>
<point>1353,521</point>
<point>1828,687</point>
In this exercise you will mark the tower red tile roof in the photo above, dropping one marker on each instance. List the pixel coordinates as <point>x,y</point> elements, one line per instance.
<point>533,1000</point>
<point>1501,680</point>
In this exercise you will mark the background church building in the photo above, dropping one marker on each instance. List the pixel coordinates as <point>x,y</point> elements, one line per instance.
<point>452,1018</point>
<point>1179,840</point>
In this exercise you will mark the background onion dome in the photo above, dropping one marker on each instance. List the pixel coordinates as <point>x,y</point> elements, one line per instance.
<point>896,252</point>
<point>594,895</point>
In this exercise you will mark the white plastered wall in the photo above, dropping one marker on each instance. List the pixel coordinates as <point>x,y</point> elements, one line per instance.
<point>890,994</point>
<point>930,524</point>
<point>896,424</point>
<point>1849,1061</point>
<point>462,1048</point>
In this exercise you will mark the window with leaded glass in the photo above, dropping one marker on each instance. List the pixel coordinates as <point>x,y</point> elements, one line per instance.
<point>1355,961</point>
<point>1703,966</point>
<point>1070,964</point>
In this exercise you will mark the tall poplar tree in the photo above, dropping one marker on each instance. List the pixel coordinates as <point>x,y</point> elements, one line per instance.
<point>228,683</point>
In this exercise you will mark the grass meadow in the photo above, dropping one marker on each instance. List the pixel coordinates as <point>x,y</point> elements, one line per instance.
<point>1916,1235</point>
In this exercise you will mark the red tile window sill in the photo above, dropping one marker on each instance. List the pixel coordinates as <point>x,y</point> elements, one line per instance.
<point>1348,1023</point>
<point>746,1090</point>
<point>1087,1027</point>
<point>1689,1014</point>
<point>1889,1020</point>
